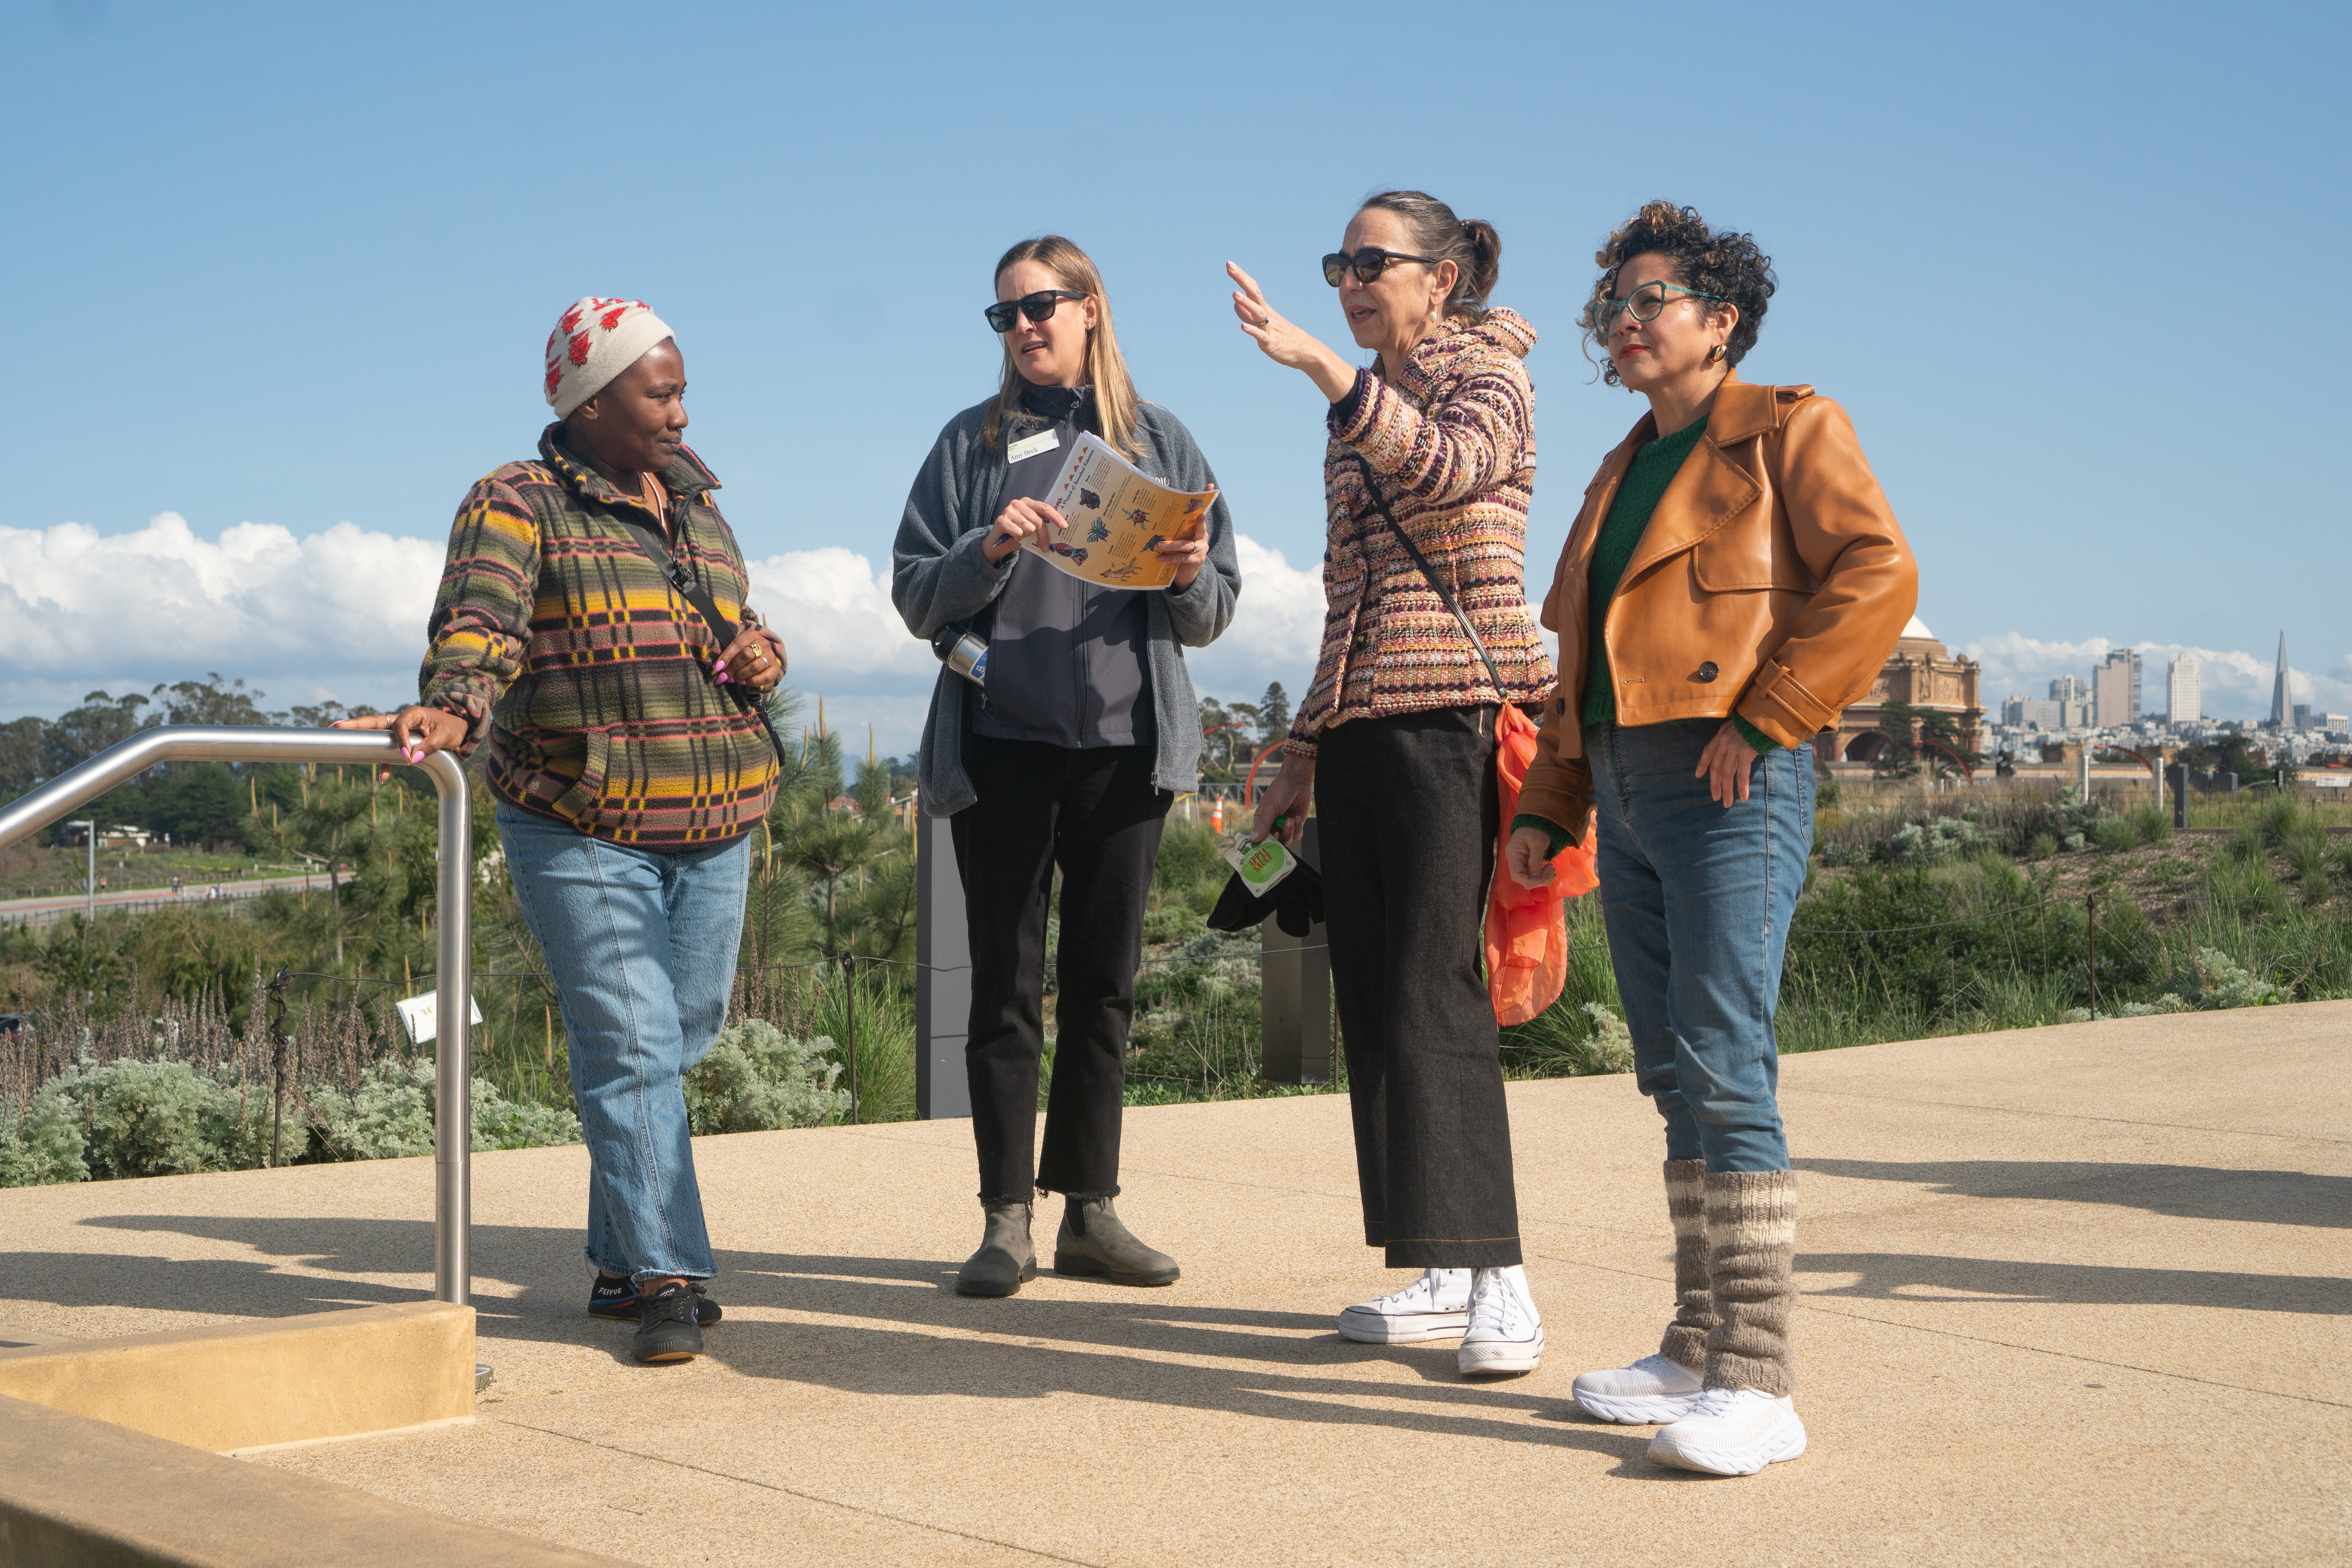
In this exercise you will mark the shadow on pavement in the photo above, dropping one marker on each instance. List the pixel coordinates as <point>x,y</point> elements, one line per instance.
<point>1273,1364</point>
<point>2183,1192</point>
<point>1924,1277</point>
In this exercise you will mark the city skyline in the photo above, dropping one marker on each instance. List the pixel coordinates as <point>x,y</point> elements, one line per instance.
<point>2303,728</point>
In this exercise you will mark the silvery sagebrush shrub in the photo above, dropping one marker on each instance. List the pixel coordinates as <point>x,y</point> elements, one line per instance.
<point>42,1143</point>
<point>757,1078</point>
<point>390,1116</point>
<point>1943,838</point>
<point>167,1118</point>
<point>2217,980</point>
<point>503,1123</point>
<point>1610,1049</point>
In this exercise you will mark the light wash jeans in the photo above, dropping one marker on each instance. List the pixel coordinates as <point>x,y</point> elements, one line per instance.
<point>1697,900</point>
<point>642,949</point>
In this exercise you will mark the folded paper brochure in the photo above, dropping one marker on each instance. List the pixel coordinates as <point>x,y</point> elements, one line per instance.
<point>1117,516</point>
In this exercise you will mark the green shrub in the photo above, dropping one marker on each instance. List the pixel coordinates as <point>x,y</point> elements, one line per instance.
<point>757,1078</point>
<point>2112,834</point>
<point>1188,851</point>
<point>885,1069</point>
<point>1571,1042</point>
<point>2041,846</point>
<point>1172,922</point>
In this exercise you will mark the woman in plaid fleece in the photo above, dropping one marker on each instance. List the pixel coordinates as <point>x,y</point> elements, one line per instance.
<point>1432,449</point>
<point>629,762</point>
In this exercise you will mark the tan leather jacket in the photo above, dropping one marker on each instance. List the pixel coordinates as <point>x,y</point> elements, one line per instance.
<point>1772,579</point>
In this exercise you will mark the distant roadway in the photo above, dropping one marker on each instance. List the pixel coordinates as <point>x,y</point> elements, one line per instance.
<point>58,907</point>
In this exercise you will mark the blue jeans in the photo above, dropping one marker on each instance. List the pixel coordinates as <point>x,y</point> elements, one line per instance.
<point>1697,899</point>
<point>642,949</point>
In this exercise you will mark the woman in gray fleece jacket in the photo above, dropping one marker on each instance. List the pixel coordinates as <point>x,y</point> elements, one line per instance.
<point>1068,758</point>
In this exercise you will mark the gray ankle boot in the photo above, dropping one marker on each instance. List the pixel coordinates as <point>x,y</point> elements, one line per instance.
<point>1006,1258</point>
<point>1094,1242</point>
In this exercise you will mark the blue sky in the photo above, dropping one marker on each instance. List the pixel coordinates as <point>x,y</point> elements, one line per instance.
<point>283,273</point>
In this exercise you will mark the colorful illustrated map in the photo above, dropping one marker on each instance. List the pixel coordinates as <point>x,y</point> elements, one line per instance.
<point>1117,514</point>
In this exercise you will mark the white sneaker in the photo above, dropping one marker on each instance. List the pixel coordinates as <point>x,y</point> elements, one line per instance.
<point>1652,1391</point>
<point>1434,1307</point>
<point>1732,1432</point>
<point>1506,1333</point>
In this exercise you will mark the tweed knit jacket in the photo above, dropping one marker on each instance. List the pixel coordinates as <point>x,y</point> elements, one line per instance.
<point>1453,442</point>
<point>554,636</point>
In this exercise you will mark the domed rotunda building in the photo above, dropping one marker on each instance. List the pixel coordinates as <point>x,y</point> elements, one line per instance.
<point>1922,673</point>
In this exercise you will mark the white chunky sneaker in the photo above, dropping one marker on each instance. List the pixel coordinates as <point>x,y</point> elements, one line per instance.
<point>1732,1432</point>
<point>1652,1391</point>
<point>1434,1307</point>
<point>1506,1333</point>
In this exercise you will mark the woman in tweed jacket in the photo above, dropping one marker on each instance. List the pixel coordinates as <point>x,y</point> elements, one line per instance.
<point>1395,744</point>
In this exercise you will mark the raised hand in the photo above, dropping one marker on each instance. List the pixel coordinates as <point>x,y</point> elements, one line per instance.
<point>1285,342</point>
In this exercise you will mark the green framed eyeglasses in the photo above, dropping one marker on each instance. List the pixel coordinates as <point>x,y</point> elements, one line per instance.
<point>1646,303</point>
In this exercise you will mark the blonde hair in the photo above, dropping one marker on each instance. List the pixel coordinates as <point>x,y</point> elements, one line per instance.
<point>1115,401</point>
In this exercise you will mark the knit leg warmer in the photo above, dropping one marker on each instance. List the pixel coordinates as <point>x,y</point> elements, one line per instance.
<point>1751,1232</point>
<point>1686,1340</point>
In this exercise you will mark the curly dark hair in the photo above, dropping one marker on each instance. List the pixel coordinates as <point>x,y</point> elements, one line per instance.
<point>1722,262</point>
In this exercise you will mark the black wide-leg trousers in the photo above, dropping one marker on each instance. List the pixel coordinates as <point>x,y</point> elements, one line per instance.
<point>1096,816</point>
<point>1409,819</point>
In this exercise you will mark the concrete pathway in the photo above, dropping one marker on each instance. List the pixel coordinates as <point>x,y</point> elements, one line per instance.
<point>2072,1295</point>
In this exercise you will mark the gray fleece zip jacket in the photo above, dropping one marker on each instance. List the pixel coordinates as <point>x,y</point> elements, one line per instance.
<point>938,576</point>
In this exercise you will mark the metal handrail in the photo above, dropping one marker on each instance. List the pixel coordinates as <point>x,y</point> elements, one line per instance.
<point>453,1122</point>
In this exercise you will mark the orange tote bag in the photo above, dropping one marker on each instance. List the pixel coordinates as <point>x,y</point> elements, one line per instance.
<point>1527,928</point>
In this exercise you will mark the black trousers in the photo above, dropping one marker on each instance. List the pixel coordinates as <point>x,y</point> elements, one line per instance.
<point>1094,815</point>
<point>1410,816</point>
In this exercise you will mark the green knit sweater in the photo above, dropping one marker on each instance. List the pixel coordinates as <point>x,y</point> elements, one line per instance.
<point>1653,468</point>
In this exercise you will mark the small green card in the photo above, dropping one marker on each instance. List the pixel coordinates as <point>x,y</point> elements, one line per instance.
<point>1262,865</point>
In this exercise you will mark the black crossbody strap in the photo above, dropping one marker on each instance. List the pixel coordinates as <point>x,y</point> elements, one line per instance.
<point>650,544</point>
<point>1372,486</point>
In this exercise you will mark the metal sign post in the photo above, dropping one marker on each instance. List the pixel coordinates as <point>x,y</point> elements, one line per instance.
<point>943,975</point>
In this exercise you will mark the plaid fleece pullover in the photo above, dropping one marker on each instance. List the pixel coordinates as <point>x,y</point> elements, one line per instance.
<point>557,638</point>
<point>1453,442</point>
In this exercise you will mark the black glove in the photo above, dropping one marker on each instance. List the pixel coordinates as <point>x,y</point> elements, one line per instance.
<point>1295,903</point>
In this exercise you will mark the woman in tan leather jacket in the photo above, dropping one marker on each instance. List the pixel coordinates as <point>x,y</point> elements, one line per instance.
<point>1734,580</point>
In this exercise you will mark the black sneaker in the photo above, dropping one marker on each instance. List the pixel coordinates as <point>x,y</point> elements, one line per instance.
<point>668,1326</point>
<point>615,1296</point>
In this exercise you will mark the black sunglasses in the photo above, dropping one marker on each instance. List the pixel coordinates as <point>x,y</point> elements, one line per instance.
<point>1037,307</point>
<point>1369,263</point>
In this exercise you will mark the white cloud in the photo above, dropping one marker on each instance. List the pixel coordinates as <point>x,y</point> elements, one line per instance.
<point>832,607</point>
<point>2234,684</point>
<point>72,599</point>
<point>341,612</point>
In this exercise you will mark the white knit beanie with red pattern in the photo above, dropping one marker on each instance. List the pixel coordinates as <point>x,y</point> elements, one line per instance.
<point>596,340</point>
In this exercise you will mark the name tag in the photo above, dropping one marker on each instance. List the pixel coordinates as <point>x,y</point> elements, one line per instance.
<point>1043,441</point>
